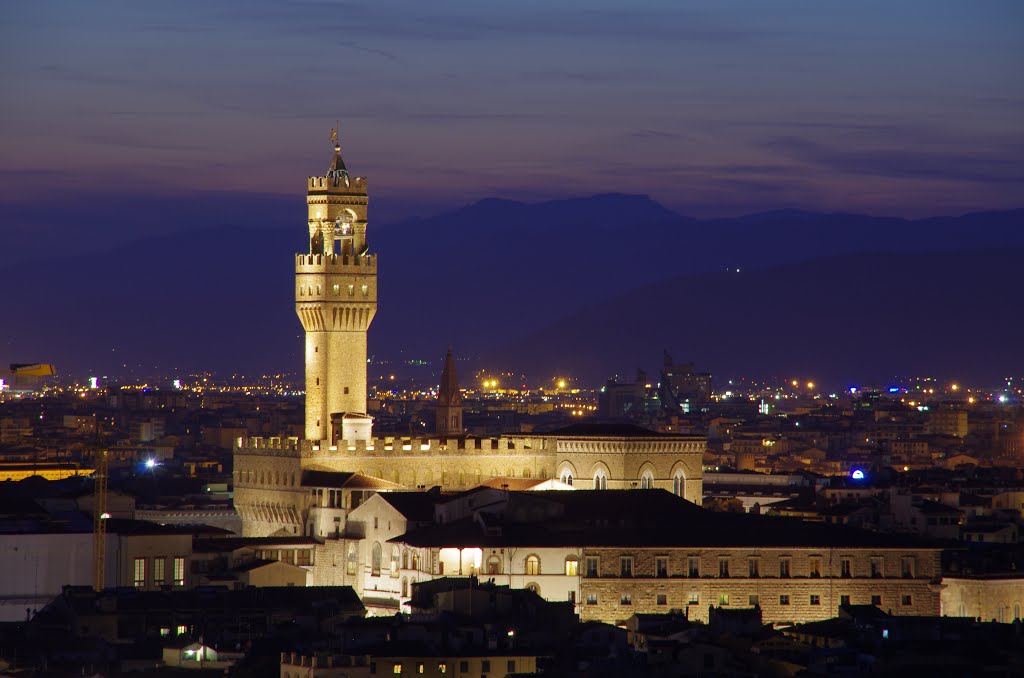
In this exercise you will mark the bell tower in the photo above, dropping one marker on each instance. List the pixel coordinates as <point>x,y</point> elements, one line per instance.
<point>335,297</point>
<point>448,409</point>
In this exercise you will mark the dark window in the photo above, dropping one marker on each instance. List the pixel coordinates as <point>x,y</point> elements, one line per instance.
<point>486,665</point>
<point>753,568</point>
<point>906,600</point>
<point>661,567</point>
<point>784,599</point>
<point>511,665</point>
<point>844,600</point>
<point>815,599</point>
<point>626,567</point>
<point>753,600</point>
<point>694,567</point>
<point>723,568</point>
<point>876,599</point>
<point>662,599</point>
<point>845,569</point>
<point>591,567</point>
<point>784,568</point>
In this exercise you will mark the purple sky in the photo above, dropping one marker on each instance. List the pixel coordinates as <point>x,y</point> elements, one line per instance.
<point>713,108</point>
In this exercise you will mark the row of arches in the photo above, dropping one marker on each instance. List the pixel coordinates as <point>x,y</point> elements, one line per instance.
<point>567,475</point>
<point>267,478</point>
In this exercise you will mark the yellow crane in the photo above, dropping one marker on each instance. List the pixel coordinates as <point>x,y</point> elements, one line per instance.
<point>99,517</point>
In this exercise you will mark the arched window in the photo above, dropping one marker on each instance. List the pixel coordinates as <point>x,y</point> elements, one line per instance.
<point>415,561</point>
<point>405,587</point>
<point>375,559</point>
<point>395,549</point>
<point>1016,611</point>
<point>533,586</point>
<point>405,560</point>
<point>678,483</point>
<point>600,480</point>
<point>647,480</point>
<point>526,473</point>
<point>572,566</point>
<point>566,477</point>
<point>532,564</point>
<point>493,565</point>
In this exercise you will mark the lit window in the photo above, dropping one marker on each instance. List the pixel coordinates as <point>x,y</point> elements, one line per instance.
<point>693,599</point>
<point>626,599</point>
<point>723,598</point>
<point>572,566</point>
<point>532,565</point>
<point>182,630</point>
<point>442,668</point>
<point>140,573</point>
<point>375,559</point>
<point>397,669</point>
<point>158,571</point>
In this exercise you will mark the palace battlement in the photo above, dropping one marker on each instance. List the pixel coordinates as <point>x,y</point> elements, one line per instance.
<point>335,263</point>
<point>388,445</point>
<point>355,185</point>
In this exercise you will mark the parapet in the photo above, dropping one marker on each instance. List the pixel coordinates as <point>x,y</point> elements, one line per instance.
<point>335,263</point>
<point>355,186</point>
<point>405,446</point>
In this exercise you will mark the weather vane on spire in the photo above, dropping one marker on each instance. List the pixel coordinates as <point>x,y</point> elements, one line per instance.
<point>334,133</point>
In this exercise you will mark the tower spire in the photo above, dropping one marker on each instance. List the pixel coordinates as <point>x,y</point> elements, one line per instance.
<point>337,170</point>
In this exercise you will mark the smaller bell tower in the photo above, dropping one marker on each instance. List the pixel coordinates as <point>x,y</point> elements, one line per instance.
<point>449,400</point>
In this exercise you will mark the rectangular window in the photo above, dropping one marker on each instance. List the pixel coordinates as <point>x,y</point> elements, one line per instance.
<point>784,568</point>
<point>753,600</point>
<point>511,665</point>
<point>753,568</point>
<point>662,599</point>
<point>693,598</point>
<point>876,599</point>
<point>591,567</point>
<point>572,567</point>
<point>464,666</point>
<point>626,599</point>
<point>661,568</point>
<point>140,573</point>
<point>158,571</point>
<point>876,567</point>
<point>626,566</point>
<point>723,568</point>
<point>486,665</point>
<point>815,567</point>
<point>693,567</point>
<point>420,668</point>
<point>397,669</point>
<point>845,568</point>
<point>304,557</point>
<point>907,567</point>
<point>784,599</point>
<point>815,599</point>
<point>906,600</point>
<point>182,629</point>
<point>442,668</point>
<point>572,597</point>
<point>723,599</point>
<point>844,600</point>
<point>591,599</point>
<point>179,572</point>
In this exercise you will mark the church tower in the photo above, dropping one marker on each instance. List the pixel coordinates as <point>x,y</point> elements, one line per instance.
<point>336,299</point>
<point>449,400</point>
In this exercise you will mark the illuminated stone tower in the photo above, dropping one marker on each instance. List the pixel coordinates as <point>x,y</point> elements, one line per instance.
<point>336,299</point>
<point>449,400</point>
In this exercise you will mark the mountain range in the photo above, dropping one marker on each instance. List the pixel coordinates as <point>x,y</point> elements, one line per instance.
<point>591,286</point>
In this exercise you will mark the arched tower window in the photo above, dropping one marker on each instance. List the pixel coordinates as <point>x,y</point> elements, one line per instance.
<point>647,480</point>
<point>600,480</point>
<point>566,477</point>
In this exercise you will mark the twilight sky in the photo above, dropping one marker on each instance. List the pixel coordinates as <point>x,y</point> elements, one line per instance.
<point>914,107</point>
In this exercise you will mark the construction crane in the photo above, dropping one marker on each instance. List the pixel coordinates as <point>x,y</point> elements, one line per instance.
<point>99,517</point>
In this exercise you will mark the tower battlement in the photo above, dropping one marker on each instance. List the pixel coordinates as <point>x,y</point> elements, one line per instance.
<point>335,263</point>
<point>319,185</point>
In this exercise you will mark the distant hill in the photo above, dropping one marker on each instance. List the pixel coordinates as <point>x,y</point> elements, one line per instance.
<point>481,277</point>
<point>845,319</point>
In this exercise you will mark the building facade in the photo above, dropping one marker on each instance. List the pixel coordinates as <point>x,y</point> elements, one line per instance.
<point>336,300</point>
